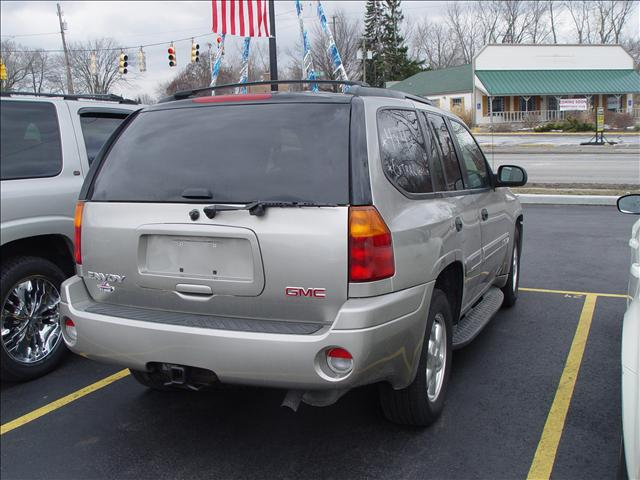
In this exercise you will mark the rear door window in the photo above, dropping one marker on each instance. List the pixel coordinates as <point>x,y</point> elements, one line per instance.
<point>474,162</point>
<point>403,151</point>
<point>30,140</point>
<point>233,153</point>
<point>96,129</point>
<point>449,158</point>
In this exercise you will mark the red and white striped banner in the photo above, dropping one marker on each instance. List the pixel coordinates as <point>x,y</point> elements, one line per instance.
<point>245,18</point>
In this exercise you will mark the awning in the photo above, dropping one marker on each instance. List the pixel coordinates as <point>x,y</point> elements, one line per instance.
<point>559,82</point>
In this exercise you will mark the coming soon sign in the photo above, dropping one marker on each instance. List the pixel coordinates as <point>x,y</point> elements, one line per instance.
<point>573,104</point>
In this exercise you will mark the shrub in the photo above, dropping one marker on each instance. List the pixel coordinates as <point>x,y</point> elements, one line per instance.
<point>570,124</point>
<point>465,116</point>
<point>618,120</point>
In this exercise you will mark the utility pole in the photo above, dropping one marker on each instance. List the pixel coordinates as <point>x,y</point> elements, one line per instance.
<point>364,59</point>
<point>66,53</point>
<point>333,20</point>
<point>273,57</point>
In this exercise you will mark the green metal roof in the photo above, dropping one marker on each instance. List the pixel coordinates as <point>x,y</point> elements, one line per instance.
<point>436,82</point>
<point>559,82</point>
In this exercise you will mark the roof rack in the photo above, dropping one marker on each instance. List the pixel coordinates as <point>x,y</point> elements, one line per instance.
<point>359,89</point>
<point>104,97</point>
<point>189,93</point>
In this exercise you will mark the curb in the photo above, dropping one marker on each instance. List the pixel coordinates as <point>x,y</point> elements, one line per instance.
<point>539,199</point>
<point>559,150</point>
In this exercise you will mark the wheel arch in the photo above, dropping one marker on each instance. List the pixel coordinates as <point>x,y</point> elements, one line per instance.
<point>451,281</point>
<point>56,248</point>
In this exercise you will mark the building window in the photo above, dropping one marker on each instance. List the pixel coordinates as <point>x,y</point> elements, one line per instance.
<point>552,103</point>
<point>497,104</point>
<point>435,102</point>
<point>457,103</point>
<point>613,102</point>
<point>528,104</point>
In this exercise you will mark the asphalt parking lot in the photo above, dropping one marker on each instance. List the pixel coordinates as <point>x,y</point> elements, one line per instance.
<point>512,409</point>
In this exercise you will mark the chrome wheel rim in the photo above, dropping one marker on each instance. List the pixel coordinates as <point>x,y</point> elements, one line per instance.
<point>436,357</point>
<point>514,268</point>
<point>30,320</point>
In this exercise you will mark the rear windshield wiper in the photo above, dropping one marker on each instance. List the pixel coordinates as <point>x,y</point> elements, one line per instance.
<point>258,208</point>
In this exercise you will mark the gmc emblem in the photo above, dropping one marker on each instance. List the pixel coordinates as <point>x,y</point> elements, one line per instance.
<point>305,292</point>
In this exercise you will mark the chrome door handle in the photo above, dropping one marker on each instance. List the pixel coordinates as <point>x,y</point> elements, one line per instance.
<point>458,222</point>
<point>484,214</point>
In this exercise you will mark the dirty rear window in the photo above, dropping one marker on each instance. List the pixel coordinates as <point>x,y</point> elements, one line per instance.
<point>235,153</point>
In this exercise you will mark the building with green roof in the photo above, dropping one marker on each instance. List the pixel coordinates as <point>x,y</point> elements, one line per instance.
<point>518,83</point>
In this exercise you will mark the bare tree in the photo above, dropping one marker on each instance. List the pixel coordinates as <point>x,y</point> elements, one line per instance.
<point>540,25</point>
<point>464,27</point>
<point>580,13</point>
<point>17,62</point>
<point>37,70</point>
<point>347,36</point>
<point>435,42</point>
<point>632,46</point>
<point>552,20</point>
<point>105,75</point>
<point>611,17</point>
<point>489,16</point>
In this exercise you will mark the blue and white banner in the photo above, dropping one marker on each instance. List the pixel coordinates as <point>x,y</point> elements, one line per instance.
<point>308,72</point>
<point>244,70</point>
<point>217,60</point>
<point>339,73</point>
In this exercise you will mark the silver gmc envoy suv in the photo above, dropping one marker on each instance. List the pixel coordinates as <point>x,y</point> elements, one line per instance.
<point>313,242</point>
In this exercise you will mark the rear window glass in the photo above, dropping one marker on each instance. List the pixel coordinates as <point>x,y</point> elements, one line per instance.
<point>30,140</point>
<point>238,153</point>
<point>96,129</point>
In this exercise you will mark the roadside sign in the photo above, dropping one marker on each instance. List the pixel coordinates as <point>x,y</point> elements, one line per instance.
<point>573,104</point>
<point>600,120</point>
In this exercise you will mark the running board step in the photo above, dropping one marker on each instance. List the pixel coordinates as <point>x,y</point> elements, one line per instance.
<point>477,318</point>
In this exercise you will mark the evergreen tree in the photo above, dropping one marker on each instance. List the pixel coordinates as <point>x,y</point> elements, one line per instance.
<point>373,32</point>
<point>396,64</point>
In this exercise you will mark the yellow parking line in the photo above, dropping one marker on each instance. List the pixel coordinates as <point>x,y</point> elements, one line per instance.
<point>545,455</point>
<point>569,292</point>
<point>61,402</point>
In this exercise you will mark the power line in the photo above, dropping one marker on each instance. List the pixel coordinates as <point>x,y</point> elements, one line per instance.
<point>30,35</point>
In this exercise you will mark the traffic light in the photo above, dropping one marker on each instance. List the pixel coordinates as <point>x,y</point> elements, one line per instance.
<point>173,61</point>
<point>142,60</point>
<point>3,71</point>
<point>195,52</point>
<point>123,63</point>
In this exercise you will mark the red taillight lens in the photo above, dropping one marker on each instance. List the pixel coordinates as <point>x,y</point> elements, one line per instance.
<point>70,328</point>
<point>370,247</point>
<point>77,223</point>
<point>339,360</point>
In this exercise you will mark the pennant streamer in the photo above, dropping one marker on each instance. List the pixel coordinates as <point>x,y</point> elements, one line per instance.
<point>338,70</point>
<point>244,71</point>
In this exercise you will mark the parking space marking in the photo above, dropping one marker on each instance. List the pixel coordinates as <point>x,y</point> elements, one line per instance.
<point>61,402</point>
<point>545,455</point>
<point>569,292</point>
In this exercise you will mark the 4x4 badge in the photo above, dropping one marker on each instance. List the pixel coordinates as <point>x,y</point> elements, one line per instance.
<point>105,287</point>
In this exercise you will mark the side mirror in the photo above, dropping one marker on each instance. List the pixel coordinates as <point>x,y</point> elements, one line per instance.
<point>511,176</point>
<point>629,204</point>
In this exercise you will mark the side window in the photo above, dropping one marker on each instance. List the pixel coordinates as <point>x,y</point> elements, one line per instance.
<point>30,140</point>
<point>96,129</point>
<point>437,173</point>
<point>449,158</point>
<point>403,151</point>
<point>477,176</point>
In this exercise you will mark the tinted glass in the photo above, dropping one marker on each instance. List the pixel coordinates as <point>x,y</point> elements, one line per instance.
<point>30,140</point>
<point>403,151</point>
<point>474,163</point>
<point>96,129</point>
<point>449,158</point>
<point>238,153</point>
<point>437,173</point>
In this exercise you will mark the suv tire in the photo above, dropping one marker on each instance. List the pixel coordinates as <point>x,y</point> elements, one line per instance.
<point>510,290</point>
<point>413,405</point>
<point>14,272</point>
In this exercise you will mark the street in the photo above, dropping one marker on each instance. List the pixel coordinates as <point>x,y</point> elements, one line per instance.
<point>600,168</point>
<point>497,410</point>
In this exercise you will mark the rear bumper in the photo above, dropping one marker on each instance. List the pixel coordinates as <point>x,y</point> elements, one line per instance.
<point>384,335</point>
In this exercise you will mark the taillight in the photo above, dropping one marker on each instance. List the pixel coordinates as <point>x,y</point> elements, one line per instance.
<point>370,247</point>
<point>70,328</point>
<point>339,360</point>
<point>77,223</point>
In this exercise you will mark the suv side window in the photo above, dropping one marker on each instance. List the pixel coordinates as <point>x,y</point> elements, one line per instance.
<point>477,176</point>
<point>403,152</point>
<point>439,183</point>
<point>449,158</point>
<point>30,140</point>
<point>96,129</point>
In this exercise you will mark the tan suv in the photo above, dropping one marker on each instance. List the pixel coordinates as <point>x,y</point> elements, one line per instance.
<point>314,242</point>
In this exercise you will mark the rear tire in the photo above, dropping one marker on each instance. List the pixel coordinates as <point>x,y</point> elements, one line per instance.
<point>420,404</point>
<point>510,290</point>
<point>34,282</point>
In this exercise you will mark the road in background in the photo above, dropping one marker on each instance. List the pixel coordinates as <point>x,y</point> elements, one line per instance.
<point>552,167</point>
<point>554,140</point>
